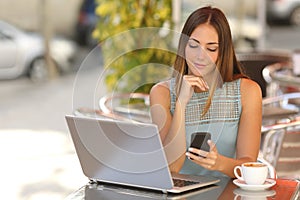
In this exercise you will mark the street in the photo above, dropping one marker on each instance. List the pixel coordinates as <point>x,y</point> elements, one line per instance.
<point>283,37</point>
<point>39,158</point>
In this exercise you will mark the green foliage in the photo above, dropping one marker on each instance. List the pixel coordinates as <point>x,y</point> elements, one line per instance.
<point>134,46</point>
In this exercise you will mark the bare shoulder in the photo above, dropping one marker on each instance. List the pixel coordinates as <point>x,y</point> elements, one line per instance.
<point>250,90</point>
<point>250,87</point>
<point>160,92</point>
<point>161,87</point>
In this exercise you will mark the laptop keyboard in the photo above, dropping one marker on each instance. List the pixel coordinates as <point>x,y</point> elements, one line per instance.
<point>182,183</point>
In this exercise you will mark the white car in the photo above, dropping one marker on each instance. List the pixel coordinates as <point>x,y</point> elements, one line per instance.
<point>23,53</point>
<point>286,10</point>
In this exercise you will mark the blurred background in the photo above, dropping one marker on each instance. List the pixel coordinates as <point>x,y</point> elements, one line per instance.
<point>43,46</point>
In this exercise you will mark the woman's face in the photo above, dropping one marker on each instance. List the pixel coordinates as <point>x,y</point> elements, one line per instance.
<point>202,50</point>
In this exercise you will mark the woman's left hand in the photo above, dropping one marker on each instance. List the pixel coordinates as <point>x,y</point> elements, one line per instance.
<point>208,160</point>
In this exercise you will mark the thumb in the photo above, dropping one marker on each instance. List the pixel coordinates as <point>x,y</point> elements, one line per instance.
<point>212,146</point>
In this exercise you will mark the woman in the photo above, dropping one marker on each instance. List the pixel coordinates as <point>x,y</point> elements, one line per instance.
<point>227,104</point>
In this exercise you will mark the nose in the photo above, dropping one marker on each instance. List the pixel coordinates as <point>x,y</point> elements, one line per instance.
<point>201,53</point>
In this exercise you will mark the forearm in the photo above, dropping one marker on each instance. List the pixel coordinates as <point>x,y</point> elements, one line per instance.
<point>175,141</point>
<point>177,127</point>
<point>226,165</point>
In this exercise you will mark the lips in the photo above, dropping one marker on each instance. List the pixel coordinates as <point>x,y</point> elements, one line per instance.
<point>200,65</point>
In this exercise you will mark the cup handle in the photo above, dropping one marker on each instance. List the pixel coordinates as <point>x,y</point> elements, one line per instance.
<point>236,196</point>
<point>236,173</point>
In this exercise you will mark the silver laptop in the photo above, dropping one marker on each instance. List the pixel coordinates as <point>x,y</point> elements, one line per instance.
<point>127,153</point>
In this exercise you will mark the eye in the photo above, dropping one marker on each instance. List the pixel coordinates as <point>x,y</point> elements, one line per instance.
<point>193,45</point>
<point>212,49</point>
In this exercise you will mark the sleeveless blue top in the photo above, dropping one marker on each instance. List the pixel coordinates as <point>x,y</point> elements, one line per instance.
<point>221,121</point>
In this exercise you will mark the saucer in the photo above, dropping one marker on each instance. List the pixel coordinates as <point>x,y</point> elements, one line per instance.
<point>269,183</point>
<point>249,193</point>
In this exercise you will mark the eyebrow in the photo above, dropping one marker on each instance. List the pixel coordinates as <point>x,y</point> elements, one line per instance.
<point>210,43</point>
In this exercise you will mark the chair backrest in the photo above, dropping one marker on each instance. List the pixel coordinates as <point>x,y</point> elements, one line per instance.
<point>289,154</point>
<point>254,63</point>
<point>280,107</point>
<point>280,79</point>
<point>281,137</point>
<point>130,106</point>
<point>281,148</point>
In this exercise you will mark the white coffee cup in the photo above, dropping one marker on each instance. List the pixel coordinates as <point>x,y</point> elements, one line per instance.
<point>253,173</point>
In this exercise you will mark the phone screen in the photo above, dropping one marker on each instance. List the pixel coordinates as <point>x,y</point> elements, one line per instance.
<point>199,140</point>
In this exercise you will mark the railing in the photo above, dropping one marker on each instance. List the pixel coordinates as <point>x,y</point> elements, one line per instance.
<point>132,106</point>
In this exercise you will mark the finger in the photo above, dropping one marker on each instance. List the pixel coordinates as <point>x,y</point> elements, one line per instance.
<point>199,83</point>
<point>192,77</point>
<point>193,156</point>
<point>212,145</point>
<point>204,162</point>
<point>192,150</point>
<point>207,166</point>
<point>203,153</point>
<point>199,152</point>
<point>203,82</point>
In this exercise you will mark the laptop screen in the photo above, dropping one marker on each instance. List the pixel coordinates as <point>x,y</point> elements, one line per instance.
<point>120,152</point>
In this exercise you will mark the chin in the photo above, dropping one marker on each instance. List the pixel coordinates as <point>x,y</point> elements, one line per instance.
<point>197,74</point>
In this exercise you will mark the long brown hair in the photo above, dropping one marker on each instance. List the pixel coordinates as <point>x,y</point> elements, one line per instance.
<point>228,66</point>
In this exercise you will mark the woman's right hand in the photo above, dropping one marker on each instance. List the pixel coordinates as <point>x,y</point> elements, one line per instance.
<point>191,84</point>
